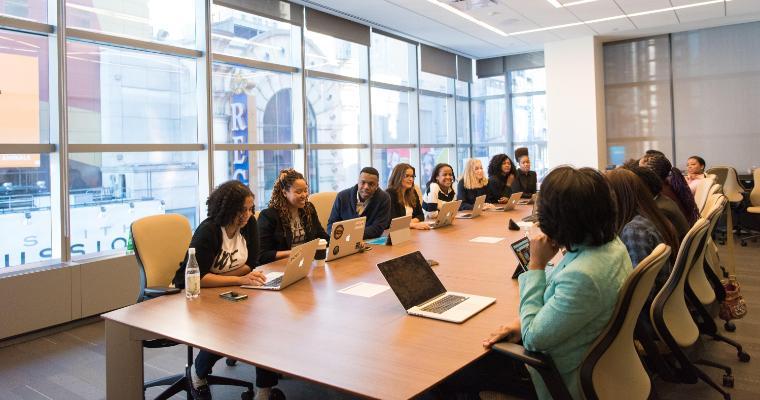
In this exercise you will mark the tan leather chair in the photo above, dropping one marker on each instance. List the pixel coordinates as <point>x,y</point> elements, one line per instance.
<point>754,200</point>
<point>703,191</point>
<point>671,317</point>
<point>612,364</point>
<point>323,202</point>
<point>161,242</point>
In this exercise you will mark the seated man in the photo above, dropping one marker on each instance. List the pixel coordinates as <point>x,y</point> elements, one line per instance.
<point>365,199</point>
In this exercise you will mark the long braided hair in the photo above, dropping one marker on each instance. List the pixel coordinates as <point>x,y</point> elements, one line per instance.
<point>280,203</point>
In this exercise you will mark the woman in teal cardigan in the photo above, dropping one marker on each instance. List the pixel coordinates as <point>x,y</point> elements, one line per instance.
<point>564,310</point>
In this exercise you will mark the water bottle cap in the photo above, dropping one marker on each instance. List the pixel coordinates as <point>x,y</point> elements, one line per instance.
<point>191,251</point>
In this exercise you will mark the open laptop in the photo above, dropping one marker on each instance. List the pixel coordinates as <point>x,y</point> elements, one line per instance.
<point>346,238</point>
<point>421,293</point>
<point>398,232</point>
<point>533,217</point>
<point>477,208</point>
<point>511,202</point>
<point>531,200</point>
<point>298,266</point>
<point>446,214</point>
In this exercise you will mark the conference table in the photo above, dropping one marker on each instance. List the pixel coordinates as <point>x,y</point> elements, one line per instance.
<point>365,346</point>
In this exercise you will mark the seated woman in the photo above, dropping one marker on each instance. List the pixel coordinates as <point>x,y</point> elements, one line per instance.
<point>695,172</point>
<point>640,223</point>
<point>668,207</point>
<point>674,185</point>
<point>501,176</point>
<point>290,219</point>
<point>525,179</point>
<point>473,184</point>
<point>440,190</point>
<point>226,248</point>
<point>563,311</point>
<point>404,199</point>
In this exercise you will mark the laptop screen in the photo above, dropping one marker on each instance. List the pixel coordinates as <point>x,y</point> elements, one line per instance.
<point>412,279</point>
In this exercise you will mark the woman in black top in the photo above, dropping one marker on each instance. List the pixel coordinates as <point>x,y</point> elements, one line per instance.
<point>226,248</point>
<point>404,199</point>
<point>473,184</point>
<point>501,175</point>
<point>525,179</point>
<point>290,219</point>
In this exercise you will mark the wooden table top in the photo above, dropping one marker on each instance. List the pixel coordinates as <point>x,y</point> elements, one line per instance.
<point>365,346</point>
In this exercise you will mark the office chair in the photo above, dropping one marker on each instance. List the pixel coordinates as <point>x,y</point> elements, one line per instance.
<point>161,242</point>
<point>612,364</point>
<point>703,288</point>
<point>323,203</point>
<point>674,324</point>
<point>754,200</point>
<point>703,191</point>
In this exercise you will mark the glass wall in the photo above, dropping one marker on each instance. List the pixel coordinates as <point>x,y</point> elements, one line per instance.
<point>155,119</point>
<point>509,111</point>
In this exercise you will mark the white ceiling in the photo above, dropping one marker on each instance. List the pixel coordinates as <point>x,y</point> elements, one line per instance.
<point>428,23</point>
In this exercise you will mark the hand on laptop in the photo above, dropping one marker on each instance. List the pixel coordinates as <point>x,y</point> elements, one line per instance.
<point>503,200</point>
<point>509,332</point>
<point>423,226</point>
<point>255,278</point>
<point>488,206</point>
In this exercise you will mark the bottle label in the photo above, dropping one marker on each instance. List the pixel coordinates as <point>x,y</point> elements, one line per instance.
<point>192,285</point>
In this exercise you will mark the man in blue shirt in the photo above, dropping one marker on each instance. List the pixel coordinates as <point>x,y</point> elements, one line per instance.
<point>365,199</point>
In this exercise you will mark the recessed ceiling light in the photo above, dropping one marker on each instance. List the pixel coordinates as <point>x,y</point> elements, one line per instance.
<point>467,17</point>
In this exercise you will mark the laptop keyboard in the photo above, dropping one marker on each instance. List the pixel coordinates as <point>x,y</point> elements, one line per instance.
<point>444,304</point>
<point>274,282</point>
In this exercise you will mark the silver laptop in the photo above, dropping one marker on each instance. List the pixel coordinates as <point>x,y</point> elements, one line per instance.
<point>511,202</point>
<point>446,214</point>
<point>398,232</point>
<point>298,266</point>
<point>533,217</point>
<point>346,238</point>
<point>477,208</point>
<point>531,200</point>
<point>421,293</point>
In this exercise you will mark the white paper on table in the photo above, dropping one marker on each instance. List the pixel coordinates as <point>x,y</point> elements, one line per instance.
<point>364,289</point>
<point>487,239</point>
<point>523,224</point>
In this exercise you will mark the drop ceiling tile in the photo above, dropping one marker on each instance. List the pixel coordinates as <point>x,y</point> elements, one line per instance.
<point>616,25</point>
<point>742,7</point>
<point>700,13</point>
<point>541,12</point>
<point>634,6</point>
<point>655,20</point>
<point>595,10</point>
<point>574,32</point>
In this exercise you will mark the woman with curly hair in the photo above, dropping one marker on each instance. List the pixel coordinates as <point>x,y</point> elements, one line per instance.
<point>226,248</point>
<point>501,175</point>
<point>404,199</point>
<point>290,219</point>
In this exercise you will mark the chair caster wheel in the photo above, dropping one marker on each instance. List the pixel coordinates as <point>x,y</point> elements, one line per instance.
<point>728,381</point>
<point>743,356</point>
<point>729,326</point>
<point>230,362</point>
<point>247,395</point>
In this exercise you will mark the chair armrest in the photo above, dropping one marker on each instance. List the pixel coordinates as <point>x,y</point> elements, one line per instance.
<point>158,291</point>
<point>541,362</point>
<point>518,352</point>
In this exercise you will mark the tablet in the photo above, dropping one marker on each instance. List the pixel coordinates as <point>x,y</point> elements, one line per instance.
<point>522,250</point>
